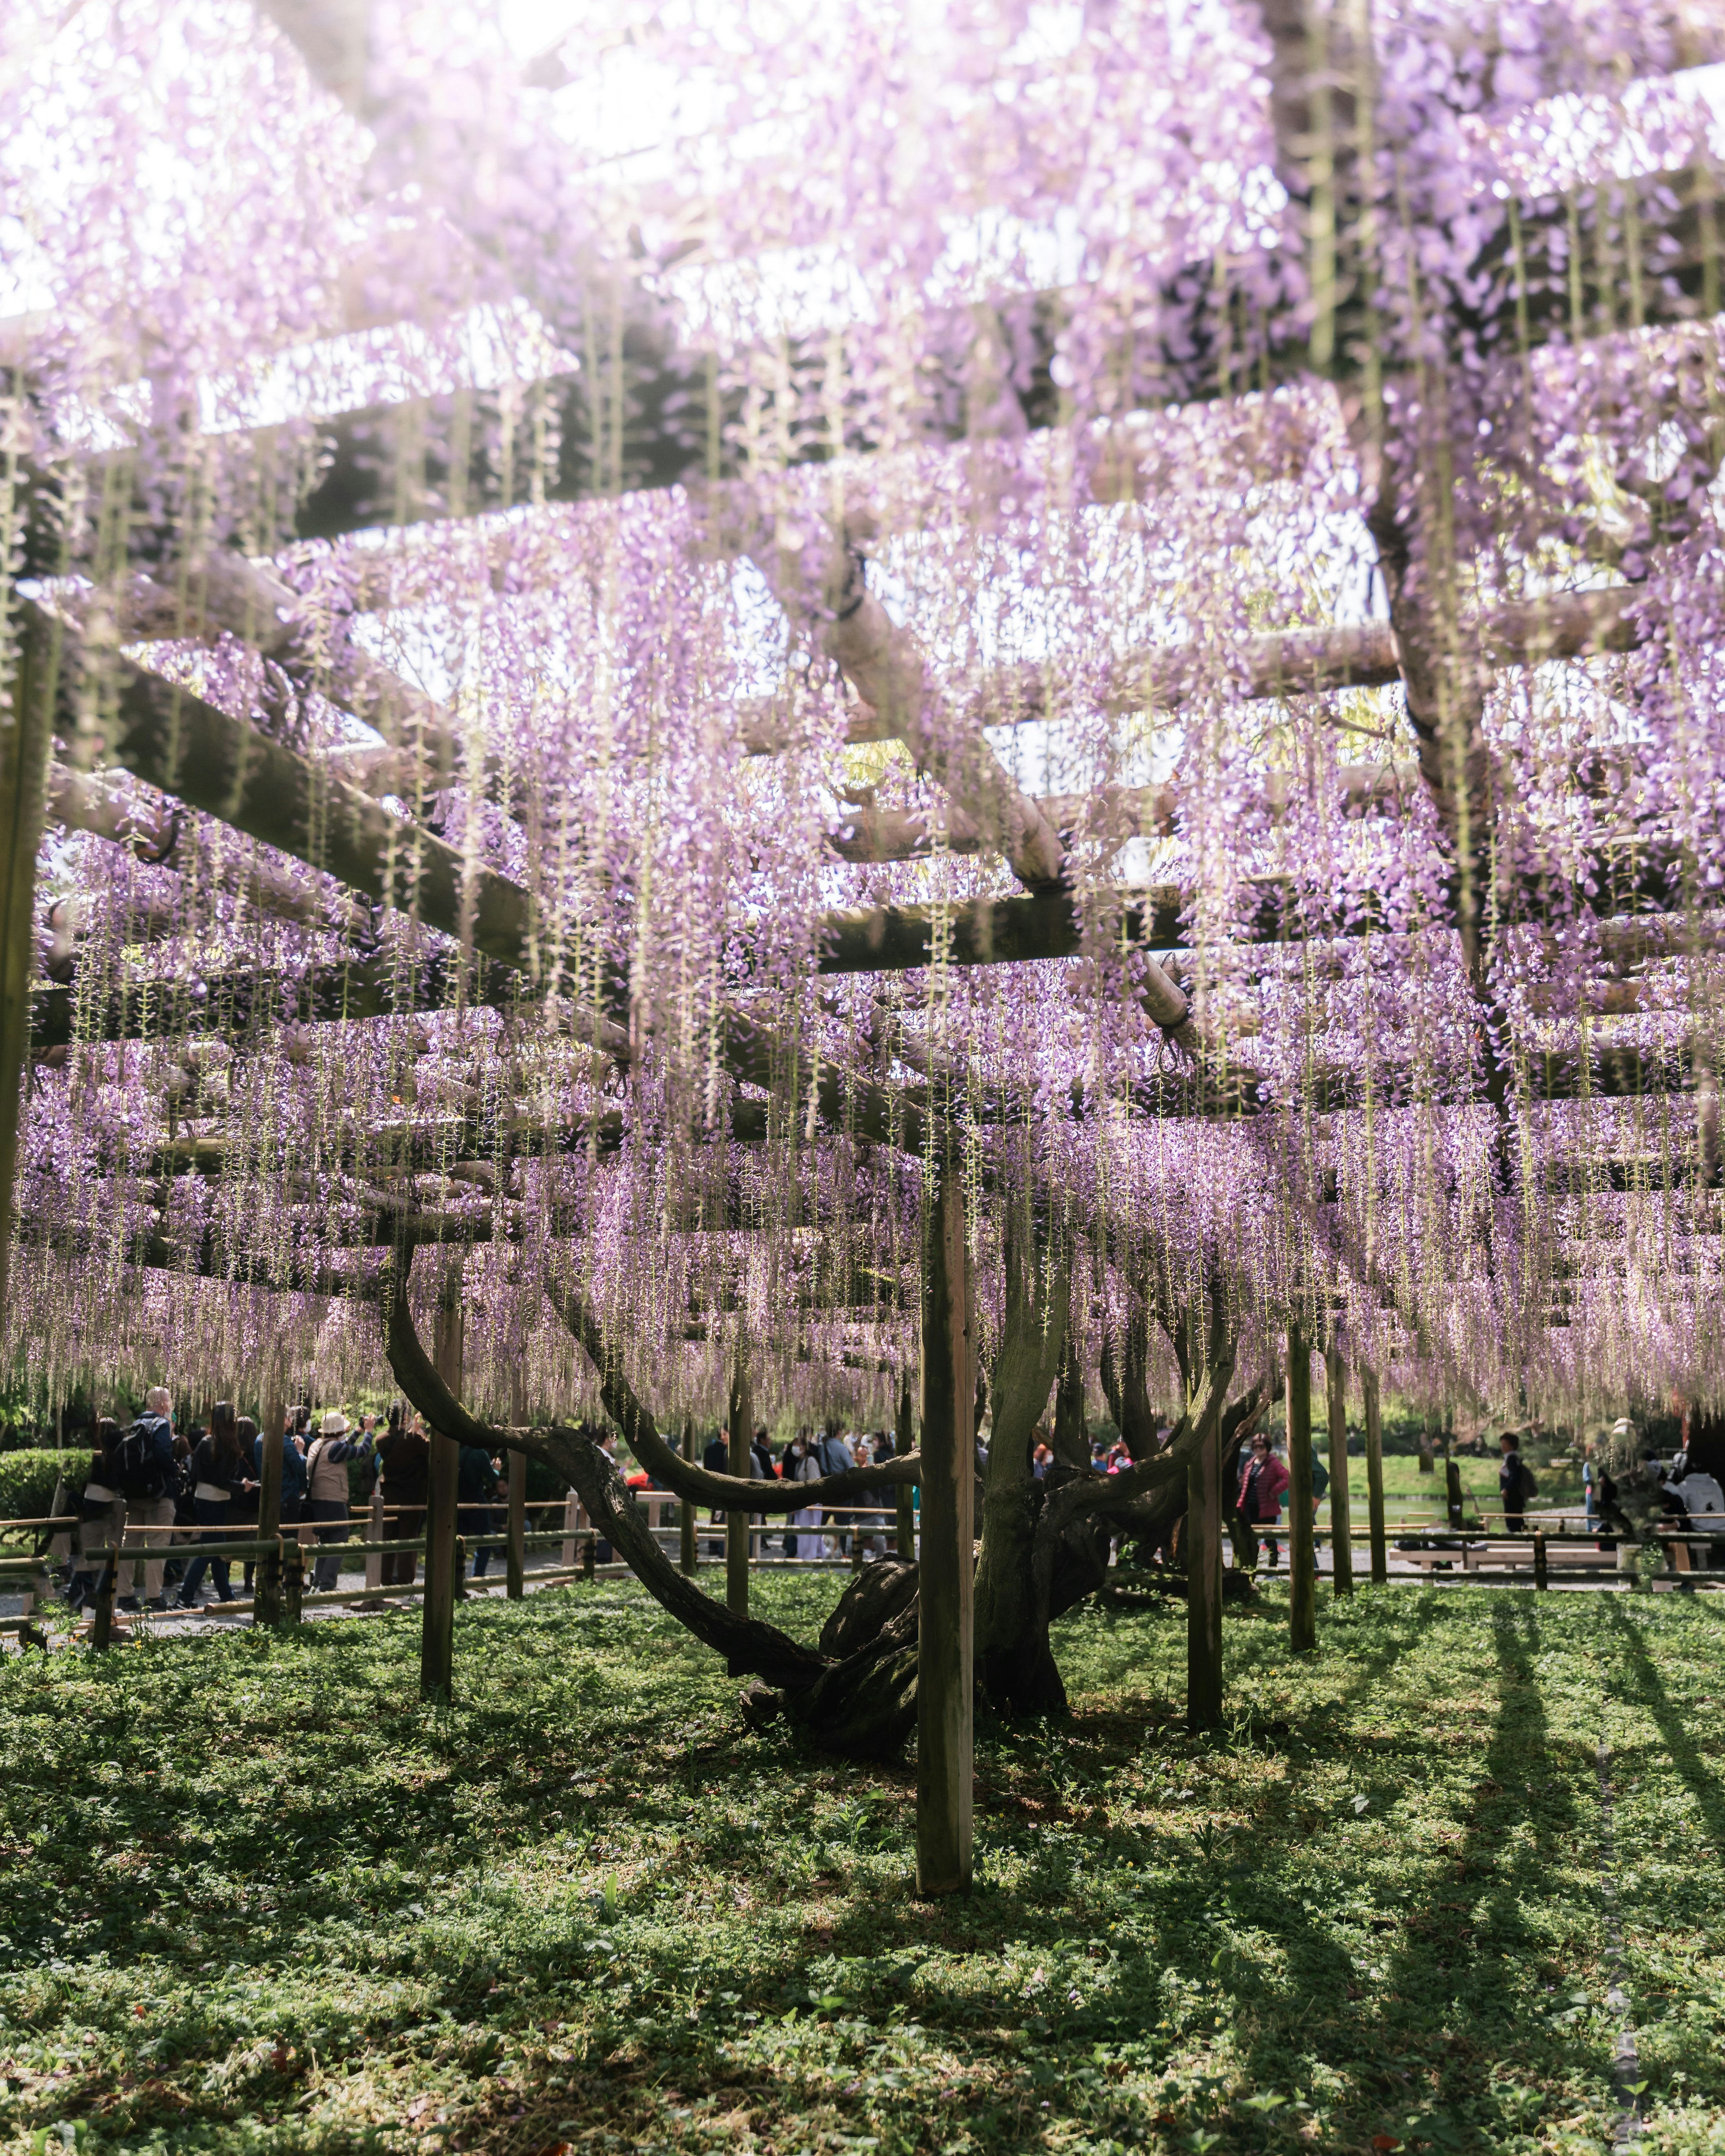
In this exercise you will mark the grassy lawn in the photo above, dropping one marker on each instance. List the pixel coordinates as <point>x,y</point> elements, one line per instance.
<point>253,1897</point>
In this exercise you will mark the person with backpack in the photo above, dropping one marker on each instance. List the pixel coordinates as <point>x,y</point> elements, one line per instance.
<point>186,1444</point>
<point>326,1506</point>
<point>220,1471</point>
<point>146,1461</point>
<point>1514,1485</point>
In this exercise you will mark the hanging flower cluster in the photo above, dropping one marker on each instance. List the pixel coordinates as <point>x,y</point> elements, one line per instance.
<point>562,414</point>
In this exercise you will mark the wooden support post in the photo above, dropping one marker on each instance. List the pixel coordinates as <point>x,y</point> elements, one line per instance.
<point>1455,1504</point>
<point>437,1634</point>
<point>736,1524</point>
<point>266,1596</point>
<point>572,1522</point>
<point>60,1549</point>
<point>25,729</point>
<point>1302,1557</point>
<point>516,1552</point>
<point>374,1533</point>
<point>690,1550</point>
<point>903,1440</point>
<point>944,1731</point>
<point>293,1580</point>
<point>1203,1578</point>
<point>587,1555</point>
<point>102,1630</point>
<point>1542,1576</point>
<point>1341,1511</point>
<point>1374,1477</point>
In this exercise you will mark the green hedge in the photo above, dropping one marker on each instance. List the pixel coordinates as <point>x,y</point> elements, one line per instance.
<point>26,1480</point>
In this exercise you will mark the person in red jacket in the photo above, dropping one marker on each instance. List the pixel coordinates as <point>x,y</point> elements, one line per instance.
<point>1263,1481</point>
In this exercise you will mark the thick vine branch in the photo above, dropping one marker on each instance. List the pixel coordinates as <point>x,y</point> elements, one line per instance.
<point>688,1478</point>
<point>748,1646</point>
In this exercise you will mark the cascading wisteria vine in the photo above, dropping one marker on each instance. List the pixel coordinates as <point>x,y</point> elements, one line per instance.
<point>952,275</point>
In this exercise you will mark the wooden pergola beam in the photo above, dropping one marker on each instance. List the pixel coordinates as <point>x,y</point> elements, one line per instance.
<point>172,739</point>
<point>891,939</point>
<point>1522,273</point>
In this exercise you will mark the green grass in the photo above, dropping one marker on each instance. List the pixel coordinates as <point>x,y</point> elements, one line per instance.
<point>1405,1487</point>
<point>255,1897</point>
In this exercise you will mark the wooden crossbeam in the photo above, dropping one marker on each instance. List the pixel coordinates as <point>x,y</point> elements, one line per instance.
<point>155,832</point>
<point>1290,663</point>
<point>172,739</point>
<point>1525,277</point>
<point>887,939</point>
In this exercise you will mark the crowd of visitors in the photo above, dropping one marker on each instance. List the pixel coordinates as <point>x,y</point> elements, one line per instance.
<point>170,1492</point>
<point>808,1456</point>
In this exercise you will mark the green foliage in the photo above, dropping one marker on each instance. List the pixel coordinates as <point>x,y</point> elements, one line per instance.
<point>26,1480</point>
<point>255,1899</point>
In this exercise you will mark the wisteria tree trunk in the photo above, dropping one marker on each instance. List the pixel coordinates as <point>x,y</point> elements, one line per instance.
<point>1045,1543</point>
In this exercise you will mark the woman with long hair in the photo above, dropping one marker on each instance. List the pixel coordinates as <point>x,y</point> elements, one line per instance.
<point>220,1471</point>
<point>102,1513</point>
<point>802,1464</point>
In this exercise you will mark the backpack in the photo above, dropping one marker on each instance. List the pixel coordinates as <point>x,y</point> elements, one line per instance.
<point>1530,1488</point>
<point>142,1475</point>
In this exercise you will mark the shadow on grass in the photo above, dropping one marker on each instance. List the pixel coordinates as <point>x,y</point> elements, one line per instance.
<point>1649,1692</point>
<point>1446,2010</point>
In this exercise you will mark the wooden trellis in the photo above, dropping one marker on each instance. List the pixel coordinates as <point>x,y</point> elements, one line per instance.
<point>327,811</point>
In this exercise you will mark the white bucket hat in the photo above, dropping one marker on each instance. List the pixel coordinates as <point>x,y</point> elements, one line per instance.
<point>335,1424</point>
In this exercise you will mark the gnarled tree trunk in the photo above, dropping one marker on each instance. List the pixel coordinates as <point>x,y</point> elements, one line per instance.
<point>1015,1667</point>
<point>1044,1545</point>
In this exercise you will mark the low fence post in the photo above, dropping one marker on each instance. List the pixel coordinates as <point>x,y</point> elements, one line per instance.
<point>374,1533</point>
<point>266,1593</point>
<point>516,1553</point>
<point>102,1632</point>
<point>60,1549</point>
<point>266,1596</point>
<point>1541,1576</point>
<point>292,1586</point>
<point>586,1551</point>
<point>572,1522</point>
